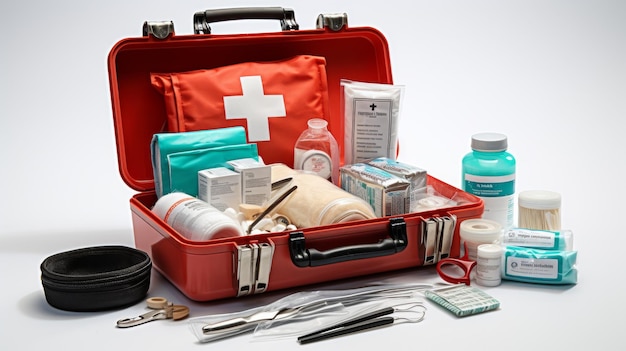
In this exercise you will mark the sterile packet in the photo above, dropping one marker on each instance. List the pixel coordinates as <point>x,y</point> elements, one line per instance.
<point>298,326</point>
<point>539,239</point>
<point>320,304</point>
<point>463,300</point>
<point>539,266</point>
<point>371,113</point>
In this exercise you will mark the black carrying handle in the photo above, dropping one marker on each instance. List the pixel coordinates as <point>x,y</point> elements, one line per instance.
<point>303,257</point>
<point>201,20</point>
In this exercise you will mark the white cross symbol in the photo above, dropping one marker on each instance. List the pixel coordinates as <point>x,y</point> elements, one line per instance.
<point>255,107</point>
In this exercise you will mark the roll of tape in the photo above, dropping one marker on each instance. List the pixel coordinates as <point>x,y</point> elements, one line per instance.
<point>157,303</point>
<point>480,227</point>
<point>477,231</point>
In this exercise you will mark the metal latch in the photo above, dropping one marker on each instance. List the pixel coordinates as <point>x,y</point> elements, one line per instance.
<point>436,239</point>
<point>254,263</point>
<point>158,29</point>
<point>333,21</point>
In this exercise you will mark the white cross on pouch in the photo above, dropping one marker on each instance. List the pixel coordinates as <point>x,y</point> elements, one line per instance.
<point>255,107</point>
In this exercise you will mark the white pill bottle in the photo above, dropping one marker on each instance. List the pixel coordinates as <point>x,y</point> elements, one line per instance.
<point>195,219</point>
<point>489,264</point>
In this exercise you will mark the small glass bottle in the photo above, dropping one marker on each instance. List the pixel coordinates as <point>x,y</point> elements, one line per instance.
<point>316,151</point>
<point>489,173</point>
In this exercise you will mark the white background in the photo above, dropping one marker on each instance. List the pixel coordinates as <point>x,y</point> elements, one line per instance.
<point>549,74</point>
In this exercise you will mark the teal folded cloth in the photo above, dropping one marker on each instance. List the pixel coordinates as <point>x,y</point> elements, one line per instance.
<point>184,166</point>
<point>165,144</point>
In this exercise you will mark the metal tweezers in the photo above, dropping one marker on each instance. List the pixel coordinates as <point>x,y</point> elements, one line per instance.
<point>367,321</point>
<point>240,323</point>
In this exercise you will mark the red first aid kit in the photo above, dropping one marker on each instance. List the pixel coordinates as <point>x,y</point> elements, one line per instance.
<point>247,265</point>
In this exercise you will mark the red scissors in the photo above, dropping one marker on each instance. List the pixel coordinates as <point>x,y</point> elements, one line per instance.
<point>464,263</point>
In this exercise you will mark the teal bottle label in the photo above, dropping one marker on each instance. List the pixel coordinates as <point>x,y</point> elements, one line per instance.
<point>490,186</point>
<point>497,193</point>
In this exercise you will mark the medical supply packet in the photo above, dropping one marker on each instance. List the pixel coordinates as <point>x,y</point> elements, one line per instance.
<point>463,300</point>
<point>539,239</point>
<point>388,194</point>
<point>185,165</point>
<point>164,144</point>
<point>371,116</point>
<point>539,266</point>
<point>416,176</point>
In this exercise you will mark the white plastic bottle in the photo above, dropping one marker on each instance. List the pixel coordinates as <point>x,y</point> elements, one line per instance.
<point>316,151</point>
<point>195,219</point>
<point>488,264</point>
<point>489,173</point>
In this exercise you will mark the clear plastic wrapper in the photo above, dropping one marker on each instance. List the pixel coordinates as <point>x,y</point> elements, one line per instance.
<point>432,200</point>
<point>371,114</point>
<point>312,307</point>
<point>276,329</point>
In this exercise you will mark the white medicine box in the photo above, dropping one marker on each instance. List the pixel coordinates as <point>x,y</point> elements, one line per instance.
<point>220,187</point>
<point>256,180</point>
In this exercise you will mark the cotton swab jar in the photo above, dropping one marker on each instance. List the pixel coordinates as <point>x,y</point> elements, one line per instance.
<point>539,209</point>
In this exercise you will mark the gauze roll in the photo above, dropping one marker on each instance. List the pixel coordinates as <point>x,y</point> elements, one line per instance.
<point>317,201</point>
<point>477,231</point>
<point>195,219</point>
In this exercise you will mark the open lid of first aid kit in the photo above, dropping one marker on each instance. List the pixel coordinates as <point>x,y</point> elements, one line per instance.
<point>359,54</point>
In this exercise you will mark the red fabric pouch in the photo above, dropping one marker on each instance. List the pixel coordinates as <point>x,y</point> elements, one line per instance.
<point>272,100</point>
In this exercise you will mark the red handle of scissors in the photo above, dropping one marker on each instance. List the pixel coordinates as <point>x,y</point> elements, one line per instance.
<point>465,265</point>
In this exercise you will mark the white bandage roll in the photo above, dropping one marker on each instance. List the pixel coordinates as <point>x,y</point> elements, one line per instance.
<point>317,201</point>
<point>475,232</point>
<point>195,219</point>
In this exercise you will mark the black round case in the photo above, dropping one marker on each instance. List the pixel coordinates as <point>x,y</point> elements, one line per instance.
<point>96,278</point>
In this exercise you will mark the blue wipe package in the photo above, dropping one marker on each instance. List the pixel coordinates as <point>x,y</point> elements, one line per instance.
<point>539,266</point>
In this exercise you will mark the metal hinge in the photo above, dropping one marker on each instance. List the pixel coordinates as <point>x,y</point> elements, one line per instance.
<point>158,29</point>
<point>254,263</point>
<point>333,21</point>
<point>436,238</point>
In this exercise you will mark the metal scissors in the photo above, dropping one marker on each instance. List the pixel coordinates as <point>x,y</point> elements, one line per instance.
<point>464,263</point>
<point>161,309</point>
